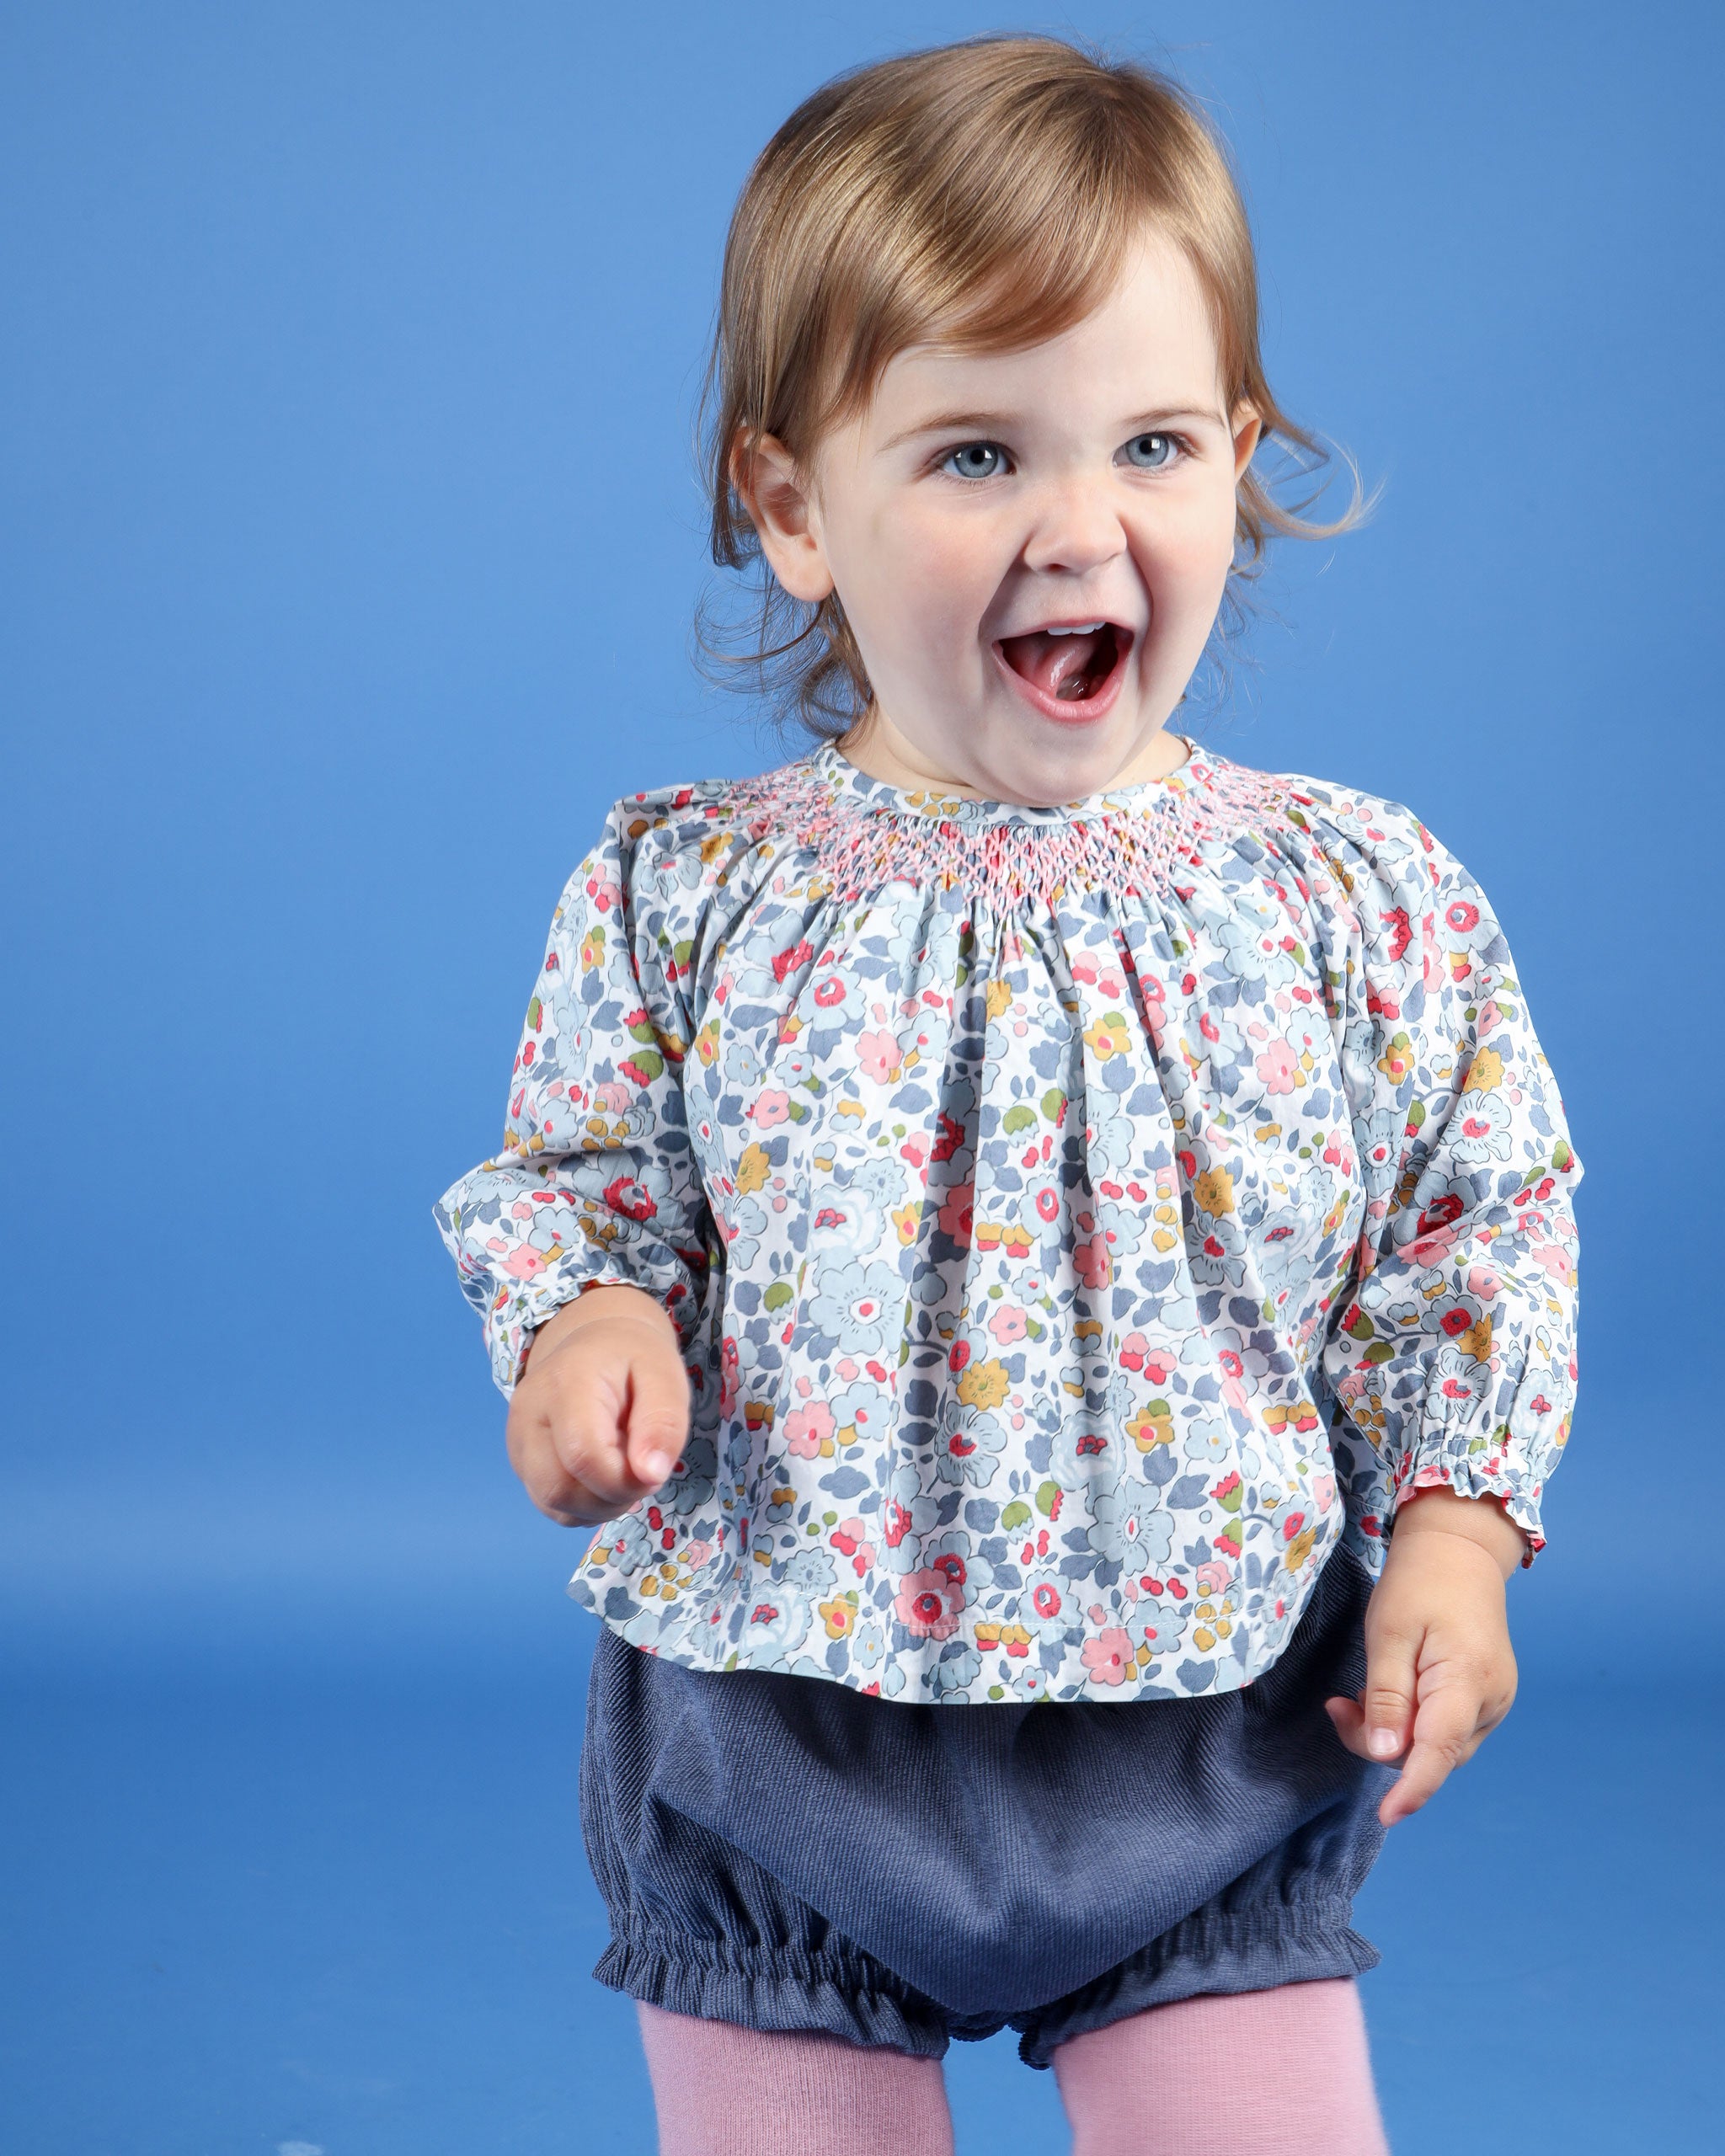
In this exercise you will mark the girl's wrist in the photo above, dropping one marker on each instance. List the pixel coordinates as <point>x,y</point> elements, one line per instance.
<point>606,1304</point>
<point>1437,1509</point>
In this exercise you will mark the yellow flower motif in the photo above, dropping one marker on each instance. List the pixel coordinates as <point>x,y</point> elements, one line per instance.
<point>984,1384</point>
<point>1299,1549</point>
<point>840,1614</point>
<point>1486,1072</point>
<point>1215,1621</point>
<point>707,1042</point>
<point>907,1218</point>
<point>1108,1038</point>
<point>1152,1425</point>
<point>1366,1414</point>
<point>1477,1340</point>
<point>1397,1058</point>
<point>1213,1190</point>
<point>1000,997</point>
<point>754,1169</point>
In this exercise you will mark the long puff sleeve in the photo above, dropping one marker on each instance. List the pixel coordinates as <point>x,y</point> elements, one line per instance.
<point>596,1184</point>
<point>1451,1354</point>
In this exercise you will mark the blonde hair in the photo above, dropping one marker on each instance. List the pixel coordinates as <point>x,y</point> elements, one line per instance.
<point>983,195</point>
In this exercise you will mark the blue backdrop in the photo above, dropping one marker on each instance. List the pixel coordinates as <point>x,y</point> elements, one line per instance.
<point>351,539</point>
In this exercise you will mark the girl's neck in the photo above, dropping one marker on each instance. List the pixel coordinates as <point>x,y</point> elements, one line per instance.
<point>874,746</point>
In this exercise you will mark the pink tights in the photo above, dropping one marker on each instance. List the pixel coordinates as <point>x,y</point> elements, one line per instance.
<point>1223,2074</point>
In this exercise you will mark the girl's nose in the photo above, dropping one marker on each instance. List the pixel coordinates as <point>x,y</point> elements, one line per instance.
<point>1075,528</point>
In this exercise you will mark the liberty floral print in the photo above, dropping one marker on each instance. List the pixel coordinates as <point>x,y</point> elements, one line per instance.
<point>1076,1220</point>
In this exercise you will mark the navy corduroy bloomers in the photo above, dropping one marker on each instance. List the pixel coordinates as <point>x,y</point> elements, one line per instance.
<point>791,1853</point>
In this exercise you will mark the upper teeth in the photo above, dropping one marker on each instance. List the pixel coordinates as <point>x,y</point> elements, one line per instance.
<point>1078,629</point>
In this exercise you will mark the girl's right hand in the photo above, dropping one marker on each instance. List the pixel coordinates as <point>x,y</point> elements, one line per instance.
<point>602,1412</point>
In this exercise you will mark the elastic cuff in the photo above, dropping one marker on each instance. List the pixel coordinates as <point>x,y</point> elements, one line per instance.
<point>1474,1476</point>
<point>834,1994</point>
<point>1249,1950</point>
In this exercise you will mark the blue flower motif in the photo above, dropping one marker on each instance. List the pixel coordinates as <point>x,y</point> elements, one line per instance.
<point>954,1674</point>
<point>857,1305</point>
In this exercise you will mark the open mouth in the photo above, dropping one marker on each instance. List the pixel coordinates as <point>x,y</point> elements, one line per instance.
<point>1070,670</point>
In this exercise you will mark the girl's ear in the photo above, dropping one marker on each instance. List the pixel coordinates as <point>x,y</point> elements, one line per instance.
<point>782,508</point>
<point>1248,430</point>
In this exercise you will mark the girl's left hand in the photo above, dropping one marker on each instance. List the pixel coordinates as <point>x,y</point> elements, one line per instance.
<point>1440,1672</point>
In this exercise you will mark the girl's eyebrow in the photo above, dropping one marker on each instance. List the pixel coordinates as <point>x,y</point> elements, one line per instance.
<point>952,423</point>
<point>981,422</point>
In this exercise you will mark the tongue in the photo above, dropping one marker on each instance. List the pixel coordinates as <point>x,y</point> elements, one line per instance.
<point>1066,668</point>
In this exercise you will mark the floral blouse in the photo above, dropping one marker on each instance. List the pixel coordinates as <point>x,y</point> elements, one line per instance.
<point>1076,1220</point>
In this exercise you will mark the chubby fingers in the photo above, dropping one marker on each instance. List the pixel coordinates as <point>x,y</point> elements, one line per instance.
<point>1447,1731</point>
<point>1428,1724</point>
<point>1378,1724</point>
<point>599,1424</point>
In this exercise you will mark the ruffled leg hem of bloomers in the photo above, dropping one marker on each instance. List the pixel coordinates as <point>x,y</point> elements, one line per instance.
<point>832,1994</point>
<point>1211,1950</point>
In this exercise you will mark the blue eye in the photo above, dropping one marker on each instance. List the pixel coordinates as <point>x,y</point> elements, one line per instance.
<point>975,459</point>
<point>1150,452</point>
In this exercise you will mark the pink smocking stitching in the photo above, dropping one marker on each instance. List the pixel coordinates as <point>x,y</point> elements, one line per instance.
<point>860,846</point>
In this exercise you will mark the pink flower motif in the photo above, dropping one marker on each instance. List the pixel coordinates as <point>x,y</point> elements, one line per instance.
<point>955,1214</point>
<point>928,1604</point>
<point>1108,1657</point>
<point>696,1554</point>
<point>525,1263</point>
<point>1278,1067</point>
<point>1323,1492</point>
<point>806,1427</point>
<point>879,1056</point>
<point>771,1107</point>
<point>1008,1324</point>
<point>1090,1261</point>
<point>1554,1258</point>
<point>1213,1576</point>
<point>1433,1248</point>
<point>613,1096</point>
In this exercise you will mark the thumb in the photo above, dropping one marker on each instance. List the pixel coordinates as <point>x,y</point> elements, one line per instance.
<point>1390,1695</point>
<point>656,1420</point>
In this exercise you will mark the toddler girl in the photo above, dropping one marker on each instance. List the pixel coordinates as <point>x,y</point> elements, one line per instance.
<point>1048,1250</point>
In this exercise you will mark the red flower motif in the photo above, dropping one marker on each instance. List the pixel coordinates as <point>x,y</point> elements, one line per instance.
<point>630,1199</point>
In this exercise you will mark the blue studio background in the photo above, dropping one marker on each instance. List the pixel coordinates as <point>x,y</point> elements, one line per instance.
<point>351,540</point>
